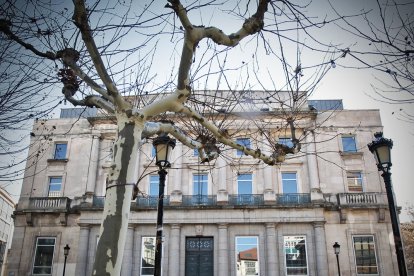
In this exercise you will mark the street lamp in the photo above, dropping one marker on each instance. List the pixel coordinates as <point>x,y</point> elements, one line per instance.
<point>66,253</point>
<point>381,148</point>
<point>337,249</point>
<point>163,145</point>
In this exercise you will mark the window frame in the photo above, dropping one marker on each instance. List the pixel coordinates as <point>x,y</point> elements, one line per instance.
<point>245,142</point>
<point>35,254</point>
<point>54,193</point>
<point>56,153</point>
<point>346,145</point>
<point>239,181</point>
<point>287,141</point>
<point>236,244</point>
<point>358,178</point>
<point>202,182</point>
<point>142,254</point>
<point>299,238</point>
<point>374,250</point>
<point>153,184</point>
<point>290,179</point>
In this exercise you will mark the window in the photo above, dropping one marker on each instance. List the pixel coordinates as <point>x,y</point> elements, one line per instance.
<point>286,141</point>
<point>365,257</point>
<point>349,144</point>
<point>244,184</point>
<point>200,184</point>
<point>154,186</point>
<point>354,180</point>
<point>295,255</point>
<point>247,259</point>
<point>43,259</point>
<point>60,151</point>
<point>147,256</point>
<point>55,186</point>
<point>195,152</point>
<point>153,151</point>
<point>289,183</point>
<point>244,142</point>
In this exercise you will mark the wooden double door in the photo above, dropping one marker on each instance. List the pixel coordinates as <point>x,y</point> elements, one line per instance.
<point>199,257</point>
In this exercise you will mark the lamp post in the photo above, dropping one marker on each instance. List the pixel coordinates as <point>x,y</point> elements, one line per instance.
<point>381,148</point>
<point>337,249</point>
<point>66,253</point>
<point>163,146</point>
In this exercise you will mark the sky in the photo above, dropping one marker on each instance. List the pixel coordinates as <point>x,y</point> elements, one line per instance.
<point>352,86</point>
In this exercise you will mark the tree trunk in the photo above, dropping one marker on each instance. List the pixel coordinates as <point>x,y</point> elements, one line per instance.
<point>122,178</point>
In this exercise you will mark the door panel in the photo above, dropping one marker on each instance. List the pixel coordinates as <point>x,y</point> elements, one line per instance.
<point>199,258</point>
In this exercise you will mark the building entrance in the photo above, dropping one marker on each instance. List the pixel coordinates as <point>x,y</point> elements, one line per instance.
<point>199,256</point>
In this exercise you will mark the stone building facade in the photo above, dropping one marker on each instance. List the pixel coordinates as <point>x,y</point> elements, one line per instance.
<point>240,218</point>
<point>7,206</point>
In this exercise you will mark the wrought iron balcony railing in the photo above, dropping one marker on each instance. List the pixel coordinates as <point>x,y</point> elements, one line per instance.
<point>247,200</point>
<point>199,200</point>
<point>292,199</point>
<point>151,201</point>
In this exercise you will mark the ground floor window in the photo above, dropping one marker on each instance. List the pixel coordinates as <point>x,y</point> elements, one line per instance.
<point>43,260</point>
<point>148,256</point>
<point>295,255</point>
<point>247,261</point>
<point>365,257</point>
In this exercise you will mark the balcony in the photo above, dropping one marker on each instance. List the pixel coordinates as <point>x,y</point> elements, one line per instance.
<point>151,201</point>
<point>199,200</point>
<point>49,203</point>
<point>246,200</point>
<point>361,199</point>
<point>293,199</point>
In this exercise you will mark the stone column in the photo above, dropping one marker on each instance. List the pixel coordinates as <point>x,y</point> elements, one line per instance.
<point>320,248</point>
<point>174,254</point>
<point>136,252</point>
<point>222,193</point>
<point>92,246</point>
<point>316,193</point>
<point>271,252</point>
<point>176,175</point>
<point>82,258</point>
<point>127,259</point>
<point>223,249</point>
<point>93,165</point>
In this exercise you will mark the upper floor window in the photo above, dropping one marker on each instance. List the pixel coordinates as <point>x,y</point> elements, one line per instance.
<point>43,259</point>
<point>153,151</point>
<point>55,186</point>
<point>349,144</point>
<point>200,184</point>
<point>147,256</point>
<point>245,142</point>
<point>247,259</point>
<point>289,183</point>
<point>245,184</point>
<point>365,256</point>
<point>286,141</point>
<point>295,255</point>
<point>60,151</point>
<point>354,181</point>
<point>154,186</point>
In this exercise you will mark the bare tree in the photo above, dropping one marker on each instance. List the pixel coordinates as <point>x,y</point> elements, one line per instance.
<point>385,35</point>
<point>104,55</point>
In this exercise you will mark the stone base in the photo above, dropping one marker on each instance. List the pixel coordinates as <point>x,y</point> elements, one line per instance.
<point>222,197</point>
<point>269,197</point>
<point>176,197</point>
<point>317,196</point>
